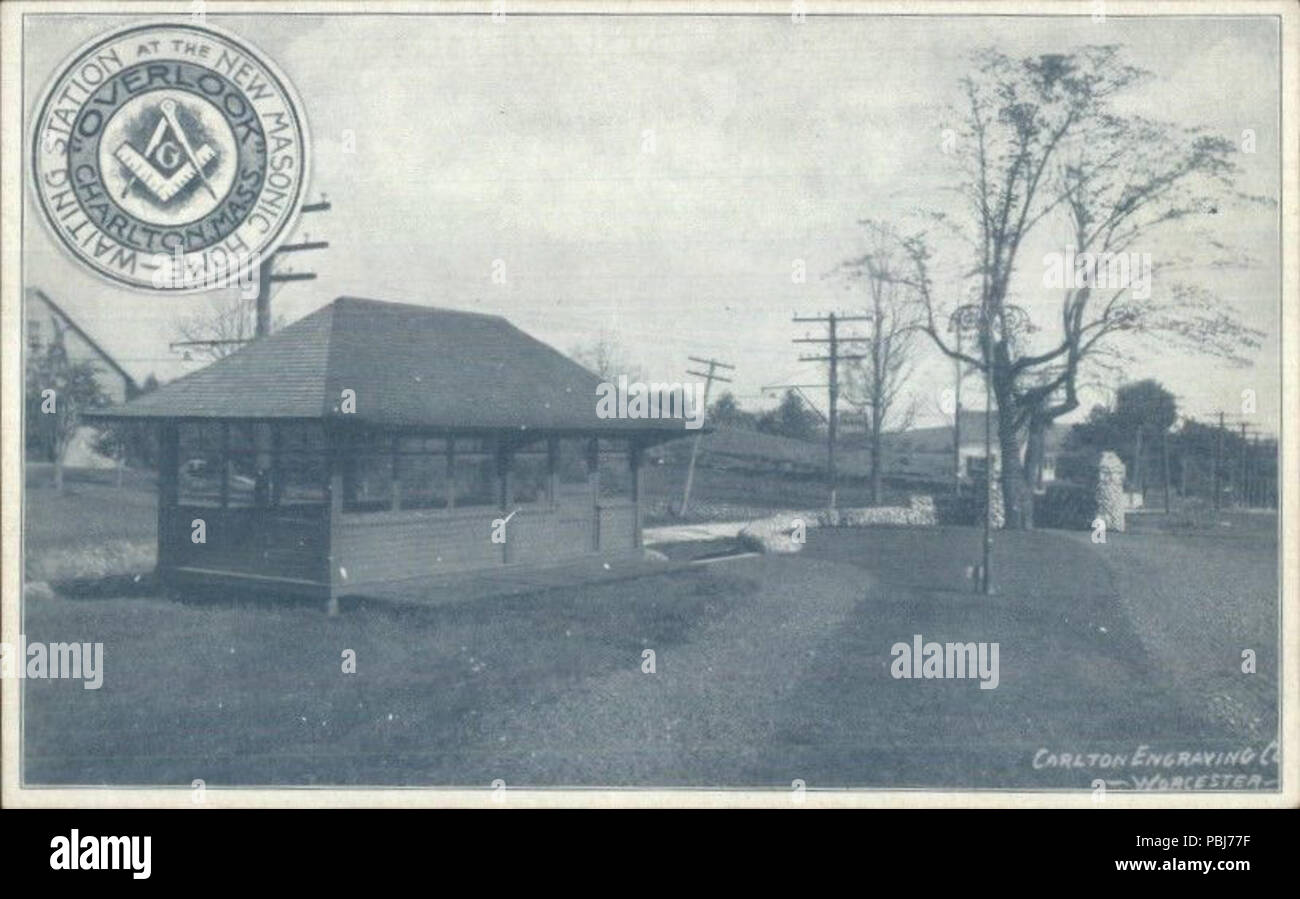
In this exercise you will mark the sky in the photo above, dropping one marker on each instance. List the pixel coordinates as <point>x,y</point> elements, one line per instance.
<point>656,180</point>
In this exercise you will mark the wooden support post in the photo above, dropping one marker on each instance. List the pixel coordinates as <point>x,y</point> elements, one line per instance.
<point>505,475</point>
<point>506,482</point>
<point>552,470</point>
<point>1164,457</point>
<point>635,460</point>
<point>225,464</point>
<point>277,463</point>
<point>451,472</point>
<point>593,487</point>
<point>336,573</point>
<point>168,494</point>
<point>395,484</point>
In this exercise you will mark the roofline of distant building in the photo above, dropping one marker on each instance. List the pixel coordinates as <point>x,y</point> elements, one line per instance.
<point>131,384</point>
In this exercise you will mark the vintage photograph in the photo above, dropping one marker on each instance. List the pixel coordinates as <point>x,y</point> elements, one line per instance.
<point>774,401</point>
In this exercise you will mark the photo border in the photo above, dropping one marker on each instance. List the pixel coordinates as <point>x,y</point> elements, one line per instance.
<point>13,194</point>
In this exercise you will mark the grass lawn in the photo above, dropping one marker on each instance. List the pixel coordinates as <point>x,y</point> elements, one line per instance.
<point>767,670</point>
<point>90,510</point>
<point>1104,648</point>
<point>726,495</point>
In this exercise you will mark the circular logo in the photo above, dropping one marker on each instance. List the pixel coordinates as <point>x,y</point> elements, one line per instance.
<point>170,157</point>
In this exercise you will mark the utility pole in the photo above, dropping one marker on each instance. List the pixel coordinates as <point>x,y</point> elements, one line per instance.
<point>1241,491</point>
<point>834,357</point>
<point>1139,481</point>
<point>709,377</point>
<point>268,276</point>
<point>1218,451</point>
<point>956,422</point>
<point>1257,493</point>
<point>1164,458</point>
<point>978,318</point>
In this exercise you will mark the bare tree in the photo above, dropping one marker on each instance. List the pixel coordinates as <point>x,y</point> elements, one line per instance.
<point>876,382</point>
<point>226,326</point>
<point>1041,139</point>
<point>606,357</point>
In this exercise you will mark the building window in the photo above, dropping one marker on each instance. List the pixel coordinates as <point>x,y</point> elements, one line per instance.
<point>249,461</point>
<point>251,465</point>
<point>531,474</point>
<point>422,472</point>
<point>200,462</point>
<point>301,475</point>
<point>571,475</point>
<point>368,482</point>
<point>474,474</point>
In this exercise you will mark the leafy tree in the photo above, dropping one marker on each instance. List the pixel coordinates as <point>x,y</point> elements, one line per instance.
<point>135,442</point>
<point>1041,137</point>
<point>790,419</point>
<point>57,391</point>
<point>1143,411</point>
<point>726,413</point>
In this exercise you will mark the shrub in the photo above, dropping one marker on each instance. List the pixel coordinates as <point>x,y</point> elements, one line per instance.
<point>1066,506</point>
<point>774,533</point>
<point>966,509</point>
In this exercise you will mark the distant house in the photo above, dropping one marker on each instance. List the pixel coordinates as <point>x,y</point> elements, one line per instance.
<point>371,443</point>
<point>44,322</point>
<point>929,451</point>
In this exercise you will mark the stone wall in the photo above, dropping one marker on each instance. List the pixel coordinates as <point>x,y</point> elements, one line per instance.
<point>778,533</point>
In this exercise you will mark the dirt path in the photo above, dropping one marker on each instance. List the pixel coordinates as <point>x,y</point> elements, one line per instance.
<point>713,704</point>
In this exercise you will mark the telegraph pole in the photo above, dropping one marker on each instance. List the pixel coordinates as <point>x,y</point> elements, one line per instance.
<point>267,275</point>
<point>1008,319</point>
<point>1256,493</point>
<point>1164,461</point>
<point>1241,493</point>
<point>834,357</point>
<point>1139,478</point>
<point>709,377</point>
<point>1218,451</point>
<point>956,422</point>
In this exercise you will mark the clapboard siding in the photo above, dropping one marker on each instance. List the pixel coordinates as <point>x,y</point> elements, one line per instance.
<point>386,547</point>
<point>377,547</point>
<point>617,526</point>
<point>550,534</point>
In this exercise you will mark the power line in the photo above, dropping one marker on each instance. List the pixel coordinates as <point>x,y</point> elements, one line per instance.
<point>834,357</point>
<point>267,275</point>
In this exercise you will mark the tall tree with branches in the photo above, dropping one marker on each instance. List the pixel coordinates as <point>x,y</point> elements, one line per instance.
<point>1040,138</point>
<point>876,381</point>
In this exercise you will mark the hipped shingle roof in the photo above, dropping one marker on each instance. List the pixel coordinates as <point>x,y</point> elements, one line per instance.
<point>410,366</point>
